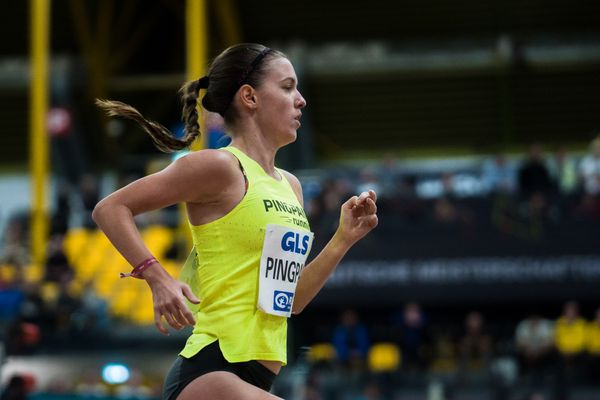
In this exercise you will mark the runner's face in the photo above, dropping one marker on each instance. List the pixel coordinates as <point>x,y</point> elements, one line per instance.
<point>280,102</point>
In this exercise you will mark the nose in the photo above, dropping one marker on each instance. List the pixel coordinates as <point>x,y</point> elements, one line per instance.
<point>300,102</point>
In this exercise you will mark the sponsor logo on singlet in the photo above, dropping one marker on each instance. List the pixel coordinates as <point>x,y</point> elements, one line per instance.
<point>291,213</point>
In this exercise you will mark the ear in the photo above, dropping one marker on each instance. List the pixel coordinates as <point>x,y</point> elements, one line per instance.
<point>247,96</point>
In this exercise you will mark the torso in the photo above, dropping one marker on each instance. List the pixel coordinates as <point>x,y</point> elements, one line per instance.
<point>203,213</point>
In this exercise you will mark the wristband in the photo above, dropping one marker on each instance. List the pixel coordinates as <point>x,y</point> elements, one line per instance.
<point>141,267</point>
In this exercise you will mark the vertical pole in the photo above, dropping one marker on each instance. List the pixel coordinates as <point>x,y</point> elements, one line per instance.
<point>196,59</point>
<point>38,148</point>
<point>196,51</point>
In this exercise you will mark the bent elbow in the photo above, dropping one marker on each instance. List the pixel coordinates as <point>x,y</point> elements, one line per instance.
<point>99,211</point>
<point>297,309</point>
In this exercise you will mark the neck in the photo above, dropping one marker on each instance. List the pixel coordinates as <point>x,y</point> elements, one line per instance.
<point>248,138</point>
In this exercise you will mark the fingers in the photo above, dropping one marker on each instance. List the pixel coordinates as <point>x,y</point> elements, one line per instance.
<point>373,195</point>
<point>177,316</point>
<point>187,292</point>
<point>371,221</point>
<point>158,322</point>
<point>370,206</point>
<point>172,316</point>
<point>350,203</point>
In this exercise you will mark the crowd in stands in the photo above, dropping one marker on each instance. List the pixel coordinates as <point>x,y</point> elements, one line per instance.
<point>533,356</point>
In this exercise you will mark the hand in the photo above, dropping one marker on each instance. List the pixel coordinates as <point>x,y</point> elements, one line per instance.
<point>168,296</point>
<point>358,217</point>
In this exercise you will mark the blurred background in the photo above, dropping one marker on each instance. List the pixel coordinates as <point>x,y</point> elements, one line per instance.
<point>476,121</point>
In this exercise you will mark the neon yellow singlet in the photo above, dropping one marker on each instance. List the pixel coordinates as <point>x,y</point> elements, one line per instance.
<point>225,274</point>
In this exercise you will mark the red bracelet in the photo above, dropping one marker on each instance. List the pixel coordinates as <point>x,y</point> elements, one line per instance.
<point>141,267</point>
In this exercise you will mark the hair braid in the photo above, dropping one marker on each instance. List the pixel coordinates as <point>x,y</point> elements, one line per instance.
<point>163,139</point>
<point>189,115</point>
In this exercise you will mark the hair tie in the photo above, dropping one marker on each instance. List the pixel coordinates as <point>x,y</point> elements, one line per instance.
<point>203,82</point>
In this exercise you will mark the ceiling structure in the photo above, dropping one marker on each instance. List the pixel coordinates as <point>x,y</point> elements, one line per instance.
<point>403,76</point>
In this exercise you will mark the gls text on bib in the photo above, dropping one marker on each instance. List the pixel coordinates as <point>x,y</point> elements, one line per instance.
<point>284,254</point>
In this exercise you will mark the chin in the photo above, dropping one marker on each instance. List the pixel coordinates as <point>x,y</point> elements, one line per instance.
<point>289,138</point>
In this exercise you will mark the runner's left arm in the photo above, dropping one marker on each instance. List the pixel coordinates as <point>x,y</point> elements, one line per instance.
<point>358,216</point>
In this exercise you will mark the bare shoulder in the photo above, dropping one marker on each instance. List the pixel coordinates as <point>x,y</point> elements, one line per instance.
<point>206,171</point>
<point>295,183</point>
<point>208,161</point>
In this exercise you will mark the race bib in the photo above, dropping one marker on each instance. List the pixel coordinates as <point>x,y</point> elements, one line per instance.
<point>284,253</point>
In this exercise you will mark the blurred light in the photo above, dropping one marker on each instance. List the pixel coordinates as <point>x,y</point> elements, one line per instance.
<point>115,373</point>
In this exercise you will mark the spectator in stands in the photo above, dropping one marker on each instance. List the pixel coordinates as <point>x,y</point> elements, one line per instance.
<point>569,339</point>
<point>475,346</point>
<point>570,330</point>
<point>498,175</point>
<point>410,332</point>
<point>388,176</point>
<point>59,223</point>
<point>351,340</point>
<point>67,304</point>
<point>533,176</point>
<point>535,346</point>
<point>93,315</point>
<point>14,249</point>
<point>90,194</point>
<point>563,171</point>
<point>368,180</point>
<point>58,268</point>
<point>592,341</point>
<point>589,169</point>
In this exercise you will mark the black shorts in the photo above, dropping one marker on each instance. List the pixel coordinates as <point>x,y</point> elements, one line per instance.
<point>210,359</point>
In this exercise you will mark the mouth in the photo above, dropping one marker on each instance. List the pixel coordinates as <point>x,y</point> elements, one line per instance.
<point>297,118</point>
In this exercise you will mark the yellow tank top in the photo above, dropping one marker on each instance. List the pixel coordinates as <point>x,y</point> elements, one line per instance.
<point>223,270</point>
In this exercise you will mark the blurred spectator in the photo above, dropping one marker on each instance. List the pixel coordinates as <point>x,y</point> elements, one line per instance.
<point>569,338</point>
<point>498,175</point>
<point>444,352</point>
<point>570,331</point>
<point>66,306</point>
<point>593,347</point>
<point>59,223</point>
<point>475,347</point>
<point>90,195</point>
<point>325,210</point>
<point>410,332</point>
<point>16,389</point>
<point>14,250</point>
<point>535,345</point>
<point>533,175</point>
<point>368,180</point>
<point>57,265</point>
<point>590,169</point>
<point>351,340</point>
<point>563,171</point>
<point>388,176</point>
<point>92,315</point>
